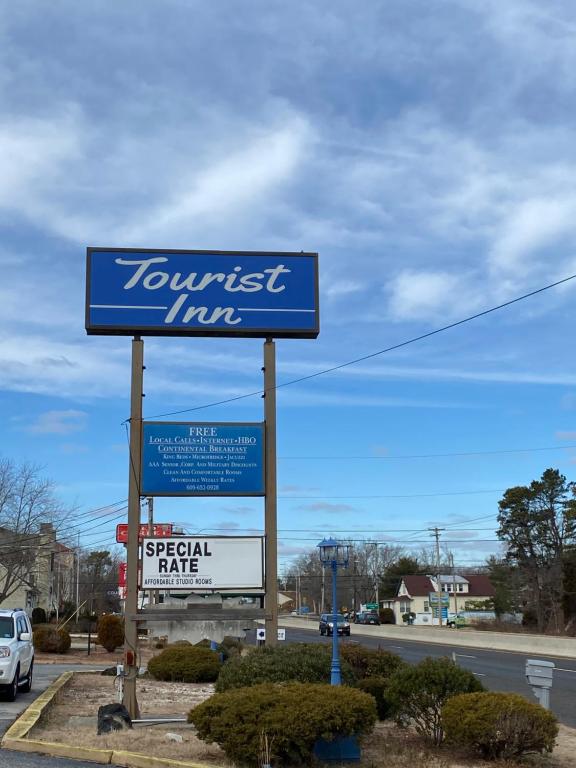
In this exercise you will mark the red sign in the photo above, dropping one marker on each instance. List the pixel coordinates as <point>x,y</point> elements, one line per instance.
<point>161,530</point>
<point>122,574</point>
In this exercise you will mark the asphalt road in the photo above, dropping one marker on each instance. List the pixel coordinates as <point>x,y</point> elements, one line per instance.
<point>497,670</point>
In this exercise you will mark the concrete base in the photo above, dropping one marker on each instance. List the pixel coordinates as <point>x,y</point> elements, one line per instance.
<point>195,631</point>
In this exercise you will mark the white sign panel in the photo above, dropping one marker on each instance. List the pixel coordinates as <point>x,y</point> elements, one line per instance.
<point>261,634</point>
<point>191,563</point>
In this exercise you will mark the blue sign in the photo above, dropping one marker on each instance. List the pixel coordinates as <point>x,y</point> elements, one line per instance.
<point>201,293</point>
<point>202,459</point>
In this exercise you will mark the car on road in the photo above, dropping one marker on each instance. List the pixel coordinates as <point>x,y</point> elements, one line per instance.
<point>326,625</point>
<point>367,617</point>
<point>16,653</point>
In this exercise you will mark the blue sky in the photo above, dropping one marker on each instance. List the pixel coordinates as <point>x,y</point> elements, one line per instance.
<point>425,150</point>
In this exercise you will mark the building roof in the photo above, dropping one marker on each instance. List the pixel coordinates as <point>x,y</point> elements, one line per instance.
<point>418,586</point>
<point>480,585</point>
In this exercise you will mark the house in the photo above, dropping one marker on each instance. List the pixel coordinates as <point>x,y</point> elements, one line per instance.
<point>36,570</point>
<point>422,594</point>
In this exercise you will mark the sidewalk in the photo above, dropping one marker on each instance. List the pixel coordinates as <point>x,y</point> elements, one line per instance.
<point>562,647</point>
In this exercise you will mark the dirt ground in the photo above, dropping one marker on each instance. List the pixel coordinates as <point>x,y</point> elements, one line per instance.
<point>387,747</point>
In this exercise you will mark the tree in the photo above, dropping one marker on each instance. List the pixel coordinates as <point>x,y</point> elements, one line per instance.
<point>538,525</point>
<point>99,581</point>
<point>27,505</point>
<point>403,566</point>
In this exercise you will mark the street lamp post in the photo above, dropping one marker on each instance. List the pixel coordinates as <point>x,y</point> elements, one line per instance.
<point>334,554</point>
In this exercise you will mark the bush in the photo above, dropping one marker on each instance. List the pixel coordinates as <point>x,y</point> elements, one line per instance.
<point>292,717</point>
<point>499,725</point>
<point>387,616</point>
<point>39,616</point>
<point>110,632</point>
<point>418,693</point>
<point>370,662</point>
<point>297,662</point>
<point>49,639</point>
<point>186,664</point>
<point>376,687</point>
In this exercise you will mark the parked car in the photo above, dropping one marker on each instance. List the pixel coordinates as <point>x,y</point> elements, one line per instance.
<point>367,617</point>
<point>326,625</point>
<point>16,653</point>
<point>456,620</point>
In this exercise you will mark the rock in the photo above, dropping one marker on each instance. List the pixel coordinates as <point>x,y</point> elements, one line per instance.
<point>174,737</point>
<point>113,717</point>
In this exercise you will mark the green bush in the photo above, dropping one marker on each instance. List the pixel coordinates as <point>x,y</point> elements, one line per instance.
<point>297,662</point>
<point>499,725</point>
<point>376,687</point>
<point>110,632</point>
<point>49,639</point>
<point>38,616</point>
<point>370,662</point>
<point>292,717</point>
<point>417,694</point>
<point>387,616</point>
<point>186,664</point>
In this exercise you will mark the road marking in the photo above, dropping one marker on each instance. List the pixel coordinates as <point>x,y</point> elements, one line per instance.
<point>479,674</point>
<point>466,656</point>
<point>561,669</point>
<point>397,646</point>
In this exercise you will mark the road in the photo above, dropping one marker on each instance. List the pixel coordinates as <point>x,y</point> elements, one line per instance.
<point>497,670</point>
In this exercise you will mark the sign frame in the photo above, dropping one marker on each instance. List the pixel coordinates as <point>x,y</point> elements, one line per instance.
<point>149,572</point>
<point>257,331</point>
<point>145,490</point>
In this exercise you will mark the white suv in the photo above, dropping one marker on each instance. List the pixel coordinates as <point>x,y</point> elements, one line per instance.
<point>16,652</point>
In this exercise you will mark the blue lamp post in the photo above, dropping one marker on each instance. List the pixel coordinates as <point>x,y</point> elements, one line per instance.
<point>334,554</point>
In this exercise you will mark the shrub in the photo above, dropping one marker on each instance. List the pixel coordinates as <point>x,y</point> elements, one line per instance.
<point>49,639</point>
<point>292,717</point>
<point>297,662</point>
<point>376,687</point>
<point>38,616</point>
<point>186,664</point>
<point>370,662</point>
<point>499,725</point>
<point>418,693</point>
<point>110,631</point>
<point>387,616</point>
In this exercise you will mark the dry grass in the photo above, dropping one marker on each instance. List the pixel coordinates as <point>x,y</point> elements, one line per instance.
<point>387,747</point>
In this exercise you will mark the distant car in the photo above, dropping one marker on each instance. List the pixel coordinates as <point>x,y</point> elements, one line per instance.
<point>16,653</point>
<point>326,625</point>
<point>367,617</point>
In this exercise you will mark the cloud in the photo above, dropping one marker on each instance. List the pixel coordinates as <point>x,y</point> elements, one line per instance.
<point>571,436</point>
<point>59,422</point>
<point>423,295</point>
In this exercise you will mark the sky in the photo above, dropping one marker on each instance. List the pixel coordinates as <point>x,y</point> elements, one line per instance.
<point>425,150</point>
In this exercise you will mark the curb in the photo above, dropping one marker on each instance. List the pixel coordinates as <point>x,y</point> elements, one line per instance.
<point>16,738</point>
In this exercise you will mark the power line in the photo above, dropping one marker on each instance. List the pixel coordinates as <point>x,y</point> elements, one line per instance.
<point>371,355</point>
<point>430,455</point>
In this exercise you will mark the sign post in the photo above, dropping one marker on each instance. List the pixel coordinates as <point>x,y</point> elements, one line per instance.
<point>270,517</point>
<point>131,606</point>
<point>157,292</point>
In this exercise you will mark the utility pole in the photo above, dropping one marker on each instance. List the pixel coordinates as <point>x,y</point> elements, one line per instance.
<point>78,579</point>
<point>451,559</point>
<point>153,593</point>
<point>436,534</point>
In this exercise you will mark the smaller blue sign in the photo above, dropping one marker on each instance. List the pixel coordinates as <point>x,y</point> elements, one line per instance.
<point>202,459</point>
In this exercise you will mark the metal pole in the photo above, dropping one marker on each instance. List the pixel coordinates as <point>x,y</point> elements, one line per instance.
<point>436,534</point>
<point>131,604</point>
<point>335,676</point>
<point>270,519</point>
<point>78,579</point>
<point>153,593</point>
